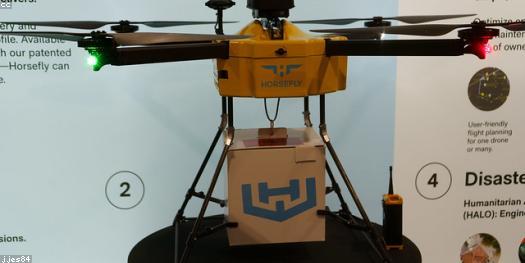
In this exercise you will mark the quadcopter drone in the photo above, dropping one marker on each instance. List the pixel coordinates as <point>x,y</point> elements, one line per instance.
<point>271,57</point>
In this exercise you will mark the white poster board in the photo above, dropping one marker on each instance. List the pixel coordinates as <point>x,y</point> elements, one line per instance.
<point>93,162</point>
<point>459,146</point>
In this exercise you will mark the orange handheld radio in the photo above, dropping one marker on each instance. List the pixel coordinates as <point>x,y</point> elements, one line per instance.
<point>392,218</point>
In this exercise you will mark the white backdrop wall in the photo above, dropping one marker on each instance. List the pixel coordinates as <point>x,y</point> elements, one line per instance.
<point>64,133</point>
<point>459,142</point>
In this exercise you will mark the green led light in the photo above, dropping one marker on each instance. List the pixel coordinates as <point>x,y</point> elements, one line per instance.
<point>92,60</point>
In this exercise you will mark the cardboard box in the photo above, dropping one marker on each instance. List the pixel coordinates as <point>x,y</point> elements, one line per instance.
<point>274,191</point>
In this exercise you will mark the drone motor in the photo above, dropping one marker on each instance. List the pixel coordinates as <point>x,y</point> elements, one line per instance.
<point>478,38</point>
<point>100,48</point>
<point>124,26</point>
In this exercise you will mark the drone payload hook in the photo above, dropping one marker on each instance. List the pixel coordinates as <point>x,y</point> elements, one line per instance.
<point>272,120</point>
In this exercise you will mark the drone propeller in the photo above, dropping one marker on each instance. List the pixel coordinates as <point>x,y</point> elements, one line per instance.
<point>91,25</point>
<point>131,39</point>
<point>142,48</point>
<point>378,20</point>
<point>422,30</point>
<point>75,37</point>
<point>139,39</point>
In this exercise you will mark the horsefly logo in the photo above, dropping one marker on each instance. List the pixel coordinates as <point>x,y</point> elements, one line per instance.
<point>279,214</point>
<point>282,71</point>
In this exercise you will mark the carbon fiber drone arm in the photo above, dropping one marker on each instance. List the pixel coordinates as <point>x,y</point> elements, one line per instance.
<point>168,53</point>
<point>136,55</point>
<point>433,47</point>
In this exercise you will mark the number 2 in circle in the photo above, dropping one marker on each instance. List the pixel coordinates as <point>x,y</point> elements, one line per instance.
<point>125,190</point>
<point>126,186</point>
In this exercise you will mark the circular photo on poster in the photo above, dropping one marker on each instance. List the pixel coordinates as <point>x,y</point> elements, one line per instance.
<point>480,248</point>
<point>522,251</point>
<point>488,89</point>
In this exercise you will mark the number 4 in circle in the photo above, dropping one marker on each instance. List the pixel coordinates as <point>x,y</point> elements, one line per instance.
<point>433,180</point>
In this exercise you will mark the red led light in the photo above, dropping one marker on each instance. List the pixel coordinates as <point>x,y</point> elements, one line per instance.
<point>481,49</point>
<point>488,48</point>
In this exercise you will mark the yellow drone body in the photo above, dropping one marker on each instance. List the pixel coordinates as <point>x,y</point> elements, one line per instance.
<point>295,66</point>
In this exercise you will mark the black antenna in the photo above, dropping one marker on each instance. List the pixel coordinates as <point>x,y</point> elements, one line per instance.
<point>391,184</point>
<point>220,6</point>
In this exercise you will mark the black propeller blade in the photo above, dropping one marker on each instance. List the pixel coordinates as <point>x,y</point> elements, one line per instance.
<point>404,19</point>
<point>75,37</point>
<point>514,26</point>
<point>140,39</point>
<point>422,30</point>
<point>417,30</point>
<point>131,39</point>
<point>178,23</point>
<point>91,25</point>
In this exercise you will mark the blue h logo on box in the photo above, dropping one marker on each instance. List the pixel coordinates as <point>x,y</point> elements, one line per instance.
<point>279,214</point>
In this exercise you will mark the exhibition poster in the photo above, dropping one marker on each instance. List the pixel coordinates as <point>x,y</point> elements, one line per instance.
<point>459,141</point>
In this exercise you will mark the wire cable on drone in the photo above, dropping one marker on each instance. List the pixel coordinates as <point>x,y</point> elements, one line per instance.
<point>272,121</point>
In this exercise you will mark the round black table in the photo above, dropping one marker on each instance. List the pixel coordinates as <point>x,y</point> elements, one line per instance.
<point>342,245</point>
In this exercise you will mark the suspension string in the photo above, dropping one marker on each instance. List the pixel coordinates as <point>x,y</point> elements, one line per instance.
<point>272,121</point>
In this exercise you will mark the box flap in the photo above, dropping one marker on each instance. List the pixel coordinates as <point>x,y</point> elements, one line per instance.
<point>305,154</point>
<point>247,139</point>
